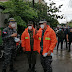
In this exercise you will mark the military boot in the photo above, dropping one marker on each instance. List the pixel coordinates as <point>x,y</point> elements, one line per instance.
<point>4,70</point>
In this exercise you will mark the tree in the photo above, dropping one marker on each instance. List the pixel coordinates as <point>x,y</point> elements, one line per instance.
<point>20,11</point>
<point>47,12</point>
<point>70,23</point>
<point>24,11</point>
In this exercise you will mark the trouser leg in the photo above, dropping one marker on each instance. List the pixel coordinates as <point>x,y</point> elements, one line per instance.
<point>66,43</point>
<point>43,63</point>
<point>6,61</point>
<point>29,59</point>
<point>69,45</point>
<point>33,61</point>
<point>12,69</point>
<point>58,44</point>
<point>61,44</point>
<point>46,63</point>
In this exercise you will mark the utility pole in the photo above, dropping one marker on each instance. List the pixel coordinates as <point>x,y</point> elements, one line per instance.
<point>33,20</point>
<point>33,3</point>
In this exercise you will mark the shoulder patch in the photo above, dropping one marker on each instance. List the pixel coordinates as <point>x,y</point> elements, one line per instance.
<point>4,32</point>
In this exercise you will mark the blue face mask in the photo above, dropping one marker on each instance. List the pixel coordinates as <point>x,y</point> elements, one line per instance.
<point>60,29</point>
<point>68,27</point>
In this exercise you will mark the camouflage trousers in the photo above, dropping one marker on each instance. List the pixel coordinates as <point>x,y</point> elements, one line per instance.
<point>9,56</point>
<point>46,63</point>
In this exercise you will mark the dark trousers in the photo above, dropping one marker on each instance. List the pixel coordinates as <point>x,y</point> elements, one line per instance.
<point>46,63</point>
<point>60,41</point>
<point>66,42</point>
<point>8,59</point>
<point>31,55</point>
<point>70,45</point>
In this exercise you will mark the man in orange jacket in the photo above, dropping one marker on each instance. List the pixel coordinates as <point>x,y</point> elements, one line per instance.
<point>29,45</point>
<point>46,43</point>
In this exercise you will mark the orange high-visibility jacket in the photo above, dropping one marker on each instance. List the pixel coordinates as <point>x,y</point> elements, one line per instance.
<point>49,40</point>
<point>25,39</point>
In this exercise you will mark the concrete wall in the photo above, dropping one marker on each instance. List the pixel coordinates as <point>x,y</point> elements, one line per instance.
<point>2,18</point>
<point>3,0</point>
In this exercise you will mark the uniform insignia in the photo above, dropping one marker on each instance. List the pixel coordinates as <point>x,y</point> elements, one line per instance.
<point>5,32</point>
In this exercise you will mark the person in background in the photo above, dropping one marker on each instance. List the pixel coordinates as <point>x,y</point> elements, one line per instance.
<point>69,38</point>
<point>8,36</point>
<point>29,46</point>
<point>46,42</point>
<point>60,36</point>
<point>65,32</point>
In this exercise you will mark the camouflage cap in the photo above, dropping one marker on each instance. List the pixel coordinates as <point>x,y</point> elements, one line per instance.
<point>42,21</point>
<point>11,20</point>
<point>30,23</point>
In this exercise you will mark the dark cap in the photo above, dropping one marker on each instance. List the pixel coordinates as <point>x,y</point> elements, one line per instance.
<point>42,21</point>
<point>30,23</point>
<point>11,20</point>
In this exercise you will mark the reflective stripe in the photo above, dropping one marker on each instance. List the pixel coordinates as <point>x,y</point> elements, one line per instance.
<point>26,37</point>
<point>39,38</point>
<point>47,38</point>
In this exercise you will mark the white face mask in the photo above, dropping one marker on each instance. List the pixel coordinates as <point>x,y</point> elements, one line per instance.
<point>29,27</point>
<point>42,26</point>
<point>13,25</point>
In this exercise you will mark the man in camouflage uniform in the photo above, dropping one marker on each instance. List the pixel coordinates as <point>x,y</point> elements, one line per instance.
<point>8,35</point>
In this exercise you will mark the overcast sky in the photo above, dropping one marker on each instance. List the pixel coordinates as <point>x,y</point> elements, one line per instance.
<point>66,9</point>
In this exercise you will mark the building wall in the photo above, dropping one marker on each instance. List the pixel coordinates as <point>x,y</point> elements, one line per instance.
<point>2,18</point>
<point>3,0</point>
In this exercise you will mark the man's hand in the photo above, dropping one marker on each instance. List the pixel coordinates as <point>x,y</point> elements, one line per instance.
<point>14,35</point>
<point>49,53</point>
<point>67,40</point>
<point>24,49</point>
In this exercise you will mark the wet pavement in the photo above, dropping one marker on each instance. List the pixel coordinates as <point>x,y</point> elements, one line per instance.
<point>62,62</point>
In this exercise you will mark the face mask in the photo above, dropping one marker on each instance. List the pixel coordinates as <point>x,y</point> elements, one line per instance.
<point>71,30</point>
<point>13,25</point>
<point>29,27</point>
<point>60,29</point>
<point>42,26</point>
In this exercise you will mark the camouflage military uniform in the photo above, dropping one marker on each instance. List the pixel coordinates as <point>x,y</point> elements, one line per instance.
<point>9,47</point>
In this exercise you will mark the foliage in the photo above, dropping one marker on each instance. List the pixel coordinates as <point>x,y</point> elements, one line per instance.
<point>24,11</point>
<point>20,11</point>
<point>47,12</point>
<point>70,23</point>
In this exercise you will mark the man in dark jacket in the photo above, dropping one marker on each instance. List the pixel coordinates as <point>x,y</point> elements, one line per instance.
<point>69,38</point>
<point>60,36</point>
<point>65,32</point>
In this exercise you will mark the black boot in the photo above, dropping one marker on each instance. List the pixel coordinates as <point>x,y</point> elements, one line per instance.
<point>44,70</point>
<point>12,69</point>
<point>33,68</point>
<point>29,70</point>
<point>4,70</point>
<point>69,50</point>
